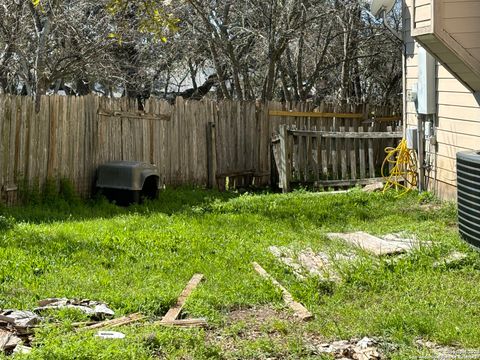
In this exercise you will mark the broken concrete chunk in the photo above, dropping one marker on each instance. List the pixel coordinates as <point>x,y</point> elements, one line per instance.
<point>15,328</point>
<point>95,309</point>
<point>286,255</point>
<point>378,186</point>
<point>453,258</point>
<point>402,237</point>
<point>365,349</point>
<point>19,318</point>
<point>448,352</point>
<point>21,349</point>
<point>308,262</point>
<point>366,343</point>
<point>102,310</point>
<point>373,244</point>
<point>8,340</point>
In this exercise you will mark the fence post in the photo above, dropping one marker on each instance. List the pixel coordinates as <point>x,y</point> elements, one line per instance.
<point>211,155</point>
<point>285,170</point>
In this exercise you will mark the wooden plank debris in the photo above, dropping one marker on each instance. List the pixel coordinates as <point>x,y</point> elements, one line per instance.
<point>184,323</point>
<point>373,244</point>
<point>124,320</point>
<point>174,311</point>
<point>299,310</point>
<point>170,318</point>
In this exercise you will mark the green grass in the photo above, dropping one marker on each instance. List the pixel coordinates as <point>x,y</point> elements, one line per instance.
<point>140,258</point>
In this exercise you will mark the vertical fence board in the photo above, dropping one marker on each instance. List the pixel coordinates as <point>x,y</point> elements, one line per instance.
<point>353,156</point>
<point>343,154</point>
<point>371,155</point>
<point>361,154</point>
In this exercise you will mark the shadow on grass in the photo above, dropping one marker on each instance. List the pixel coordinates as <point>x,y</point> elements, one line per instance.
<point>169,201</point>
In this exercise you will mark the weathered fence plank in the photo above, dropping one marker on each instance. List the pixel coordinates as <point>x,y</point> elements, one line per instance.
<point>353,156</point>
<point>371,156</point>
<point>361,154</point>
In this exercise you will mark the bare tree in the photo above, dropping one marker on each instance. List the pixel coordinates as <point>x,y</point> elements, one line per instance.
<point>293,50</point>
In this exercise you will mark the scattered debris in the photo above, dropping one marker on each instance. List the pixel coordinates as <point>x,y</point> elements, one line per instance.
<point>453,258</point>
<point>389,244</point>
<point>185,323</point>
<point>286,255</point>
<point>309,262</point>
<point>95,309</point>
<point>16,326</point>
<point>19,319</point>
<point>448,352</point>
<point>364,349</point>
<point>316,264</point>
<point>378,186</point>
<point>299,310</point>
<point>8,341</point>
<point>21,349</point>
<point>16,329</point>
<point>248,324</point>
<point>170,318</point>
<point>110,335</point>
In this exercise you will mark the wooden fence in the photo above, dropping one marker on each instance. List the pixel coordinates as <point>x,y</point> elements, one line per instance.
<point>331,158</point>
<point>195,143</point>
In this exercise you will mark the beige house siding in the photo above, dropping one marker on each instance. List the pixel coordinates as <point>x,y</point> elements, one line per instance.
<point>462,22</point>
<point>423,13</point>
<point>458,117</point>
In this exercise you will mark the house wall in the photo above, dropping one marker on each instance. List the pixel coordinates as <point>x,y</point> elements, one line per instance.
<point>458,118</point>
<point>461,19</point>
<point>423,12</point>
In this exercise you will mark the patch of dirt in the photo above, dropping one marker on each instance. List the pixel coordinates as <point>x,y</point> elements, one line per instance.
<point>448,352</point>
<point>252,324</point>
<point>258,315</point>
<point>430,207</point>
<point>280,327</point>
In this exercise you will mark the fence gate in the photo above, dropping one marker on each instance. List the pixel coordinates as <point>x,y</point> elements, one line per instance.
<point>334,158</point>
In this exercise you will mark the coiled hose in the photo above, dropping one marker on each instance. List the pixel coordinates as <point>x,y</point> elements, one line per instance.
<point>401,164</point>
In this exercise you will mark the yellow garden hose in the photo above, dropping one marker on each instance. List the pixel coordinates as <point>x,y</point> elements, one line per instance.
<point>401,164</point>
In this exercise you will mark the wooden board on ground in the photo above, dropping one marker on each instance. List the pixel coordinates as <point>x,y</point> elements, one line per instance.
<point>373,244</point>
<point>174,311</point>
<point>124,320</point>
<point>299,310</point>
<point>184,323</point>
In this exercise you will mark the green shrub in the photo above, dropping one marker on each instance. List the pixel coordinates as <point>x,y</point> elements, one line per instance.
<point>6,223</point>
<point>68,193</point>
<point>29,193</point>
<point>50,192</point>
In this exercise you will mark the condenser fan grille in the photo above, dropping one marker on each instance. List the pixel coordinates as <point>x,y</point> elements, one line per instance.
<point>468,182</point>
